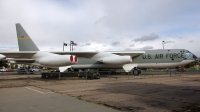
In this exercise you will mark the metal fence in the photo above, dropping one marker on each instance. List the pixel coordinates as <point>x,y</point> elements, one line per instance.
<point>14,79</point>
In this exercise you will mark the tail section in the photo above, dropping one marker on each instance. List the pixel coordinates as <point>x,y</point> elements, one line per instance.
<point>25,43</point>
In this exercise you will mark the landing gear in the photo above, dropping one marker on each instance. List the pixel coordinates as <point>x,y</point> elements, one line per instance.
<point>136,71</point>
<point>43,76</point>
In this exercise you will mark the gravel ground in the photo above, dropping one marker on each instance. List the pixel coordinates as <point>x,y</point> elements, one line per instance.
<point>126,93</point>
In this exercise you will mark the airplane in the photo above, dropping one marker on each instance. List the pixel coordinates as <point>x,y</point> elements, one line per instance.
<point>161,58</point>
<point>29,53</point>
<point>128,60</point>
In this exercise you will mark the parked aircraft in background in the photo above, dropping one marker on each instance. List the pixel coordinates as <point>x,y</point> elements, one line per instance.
<point>30,54</point>
<point>128,60</point>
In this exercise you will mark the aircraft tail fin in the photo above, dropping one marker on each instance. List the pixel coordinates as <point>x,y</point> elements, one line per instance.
<point>25,43</point>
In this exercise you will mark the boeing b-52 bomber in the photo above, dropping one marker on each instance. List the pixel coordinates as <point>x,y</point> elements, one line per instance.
<point>128,60</point>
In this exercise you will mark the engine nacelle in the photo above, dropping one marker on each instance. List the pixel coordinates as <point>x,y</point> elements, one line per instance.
<point>59,60</point>
<point>2,56</point>
<point>117,60</point>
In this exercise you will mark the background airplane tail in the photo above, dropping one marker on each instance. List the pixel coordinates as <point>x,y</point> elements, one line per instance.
<point>25,43</point>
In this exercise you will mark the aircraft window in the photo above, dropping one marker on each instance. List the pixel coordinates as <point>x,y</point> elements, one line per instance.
<point>187,51</point>
<point>194,56</point>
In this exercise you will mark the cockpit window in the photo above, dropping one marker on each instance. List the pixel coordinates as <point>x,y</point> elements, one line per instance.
<point>187,51</point>
<point>194,56</point>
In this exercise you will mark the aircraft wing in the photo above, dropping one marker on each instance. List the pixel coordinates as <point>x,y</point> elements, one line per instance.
<point>130,53</point>
<point>19,54</point>
<point>92,53</point>
<point>20,60</point>
<point>79,54</point>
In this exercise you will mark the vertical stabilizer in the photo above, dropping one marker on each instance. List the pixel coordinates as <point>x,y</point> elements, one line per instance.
<point>25,43</point>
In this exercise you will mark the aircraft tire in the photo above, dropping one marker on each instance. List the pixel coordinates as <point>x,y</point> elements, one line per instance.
<point>139,71</point>
<point>135,72</point>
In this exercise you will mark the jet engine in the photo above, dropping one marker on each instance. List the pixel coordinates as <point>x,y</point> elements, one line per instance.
<point>2,56</point>
<point>59,60</point>
<point>117,59</point>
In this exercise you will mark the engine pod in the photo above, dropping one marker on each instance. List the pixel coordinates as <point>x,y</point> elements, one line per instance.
<point>58,60</point>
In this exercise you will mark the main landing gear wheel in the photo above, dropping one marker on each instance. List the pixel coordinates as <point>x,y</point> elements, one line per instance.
<point>136,72</point>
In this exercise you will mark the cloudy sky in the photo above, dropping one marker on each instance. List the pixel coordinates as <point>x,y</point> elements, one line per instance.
<point>102,25</point>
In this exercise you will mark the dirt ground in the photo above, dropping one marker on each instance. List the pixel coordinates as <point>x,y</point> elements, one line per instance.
<point>125,93</point>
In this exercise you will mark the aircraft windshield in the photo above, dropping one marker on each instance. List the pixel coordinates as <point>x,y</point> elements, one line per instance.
<point>194,56</point>
<point>188,51</point>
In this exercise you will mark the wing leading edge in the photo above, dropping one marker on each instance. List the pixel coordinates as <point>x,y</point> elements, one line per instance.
<point>92,53</point>
<point>20,54</point>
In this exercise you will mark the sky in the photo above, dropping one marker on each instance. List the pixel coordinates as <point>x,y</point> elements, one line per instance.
<point>102,25</point>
